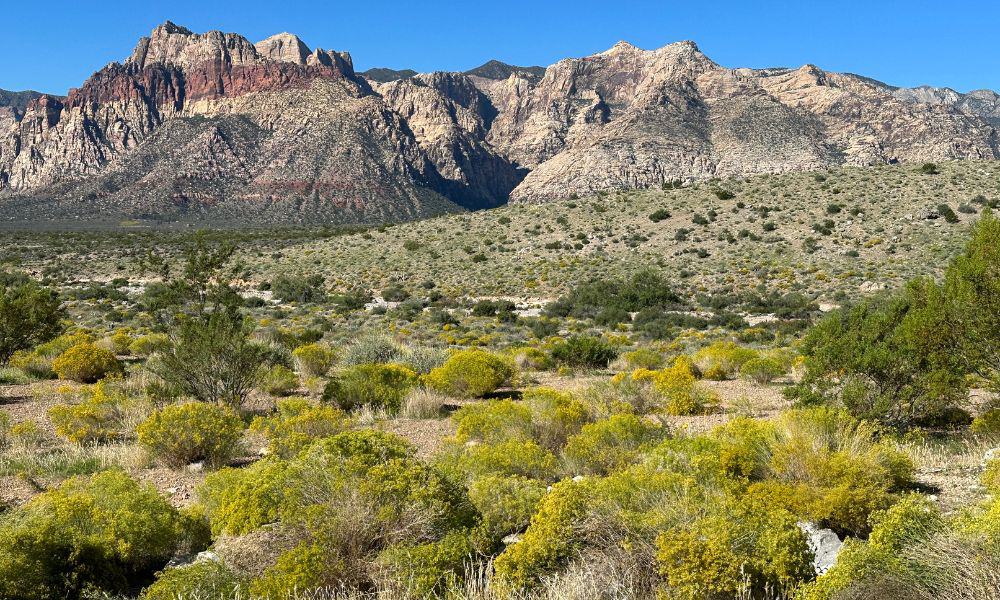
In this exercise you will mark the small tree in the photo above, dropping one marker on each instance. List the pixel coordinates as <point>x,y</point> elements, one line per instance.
<point>972,287</point>
<point>213,359</point>
<point>29,315</point>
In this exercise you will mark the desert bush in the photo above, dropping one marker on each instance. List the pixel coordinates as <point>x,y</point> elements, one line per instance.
<point>200,580</point>
<point>525,458</point>
<point>237,501</point>
<point>298,424</point>
<point>345,500</point>
<point>181,434</point>
<point>555,415</point>
<point>424,359</point>
<point>506,503</point>
<point>531,358</point>
<point>85,363</point>
<point>279,380</point>
<point>421,403</point>
<point>98,418</point>
<point>104,533</point>
<point>549,540</point>
<point>611,444</point>
<point>749,550</point>
<point>644,358</point>
<point>491,422</point>
<point>372,348</point>
<point>680,392</point>
<point>146,345</point>
<point>471,373</point>
<point>892,360</point>
<point>425,570</point>
<point>842,470</point>
<point>987,425</point>
<point>722,360</point>
<point>584,351</point>
<point>910,523</point>
<point>33,363</point>
<point>295,288</point>
<point>314,359</point>
<point>375,386</point>
<point>643,290</point>
<point>29,315</point>
<point>212,358</point>
<point>762,370</point>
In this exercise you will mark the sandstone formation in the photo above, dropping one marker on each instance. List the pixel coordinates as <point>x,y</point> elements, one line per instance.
<point>212,126</point>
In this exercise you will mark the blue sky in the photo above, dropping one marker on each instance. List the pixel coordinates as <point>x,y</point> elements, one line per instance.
<point>54,45</point>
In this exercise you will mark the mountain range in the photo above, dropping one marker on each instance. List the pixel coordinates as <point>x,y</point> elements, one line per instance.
<point>212,127</point>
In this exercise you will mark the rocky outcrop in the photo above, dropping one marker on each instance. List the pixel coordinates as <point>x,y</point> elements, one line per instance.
<point>979,103</point>
<point>212,125</point>
<point>450,118</point>
<point>630,118</point>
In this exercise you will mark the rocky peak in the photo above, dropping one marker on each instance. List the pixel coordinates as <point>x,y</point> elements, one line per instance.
<point>284,47</point>
<point>499,71</point>
<point>173,46</point>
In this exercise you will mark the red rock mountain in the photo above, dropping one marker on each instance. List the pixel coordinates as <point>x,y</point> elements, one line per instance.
<point>213,127</point>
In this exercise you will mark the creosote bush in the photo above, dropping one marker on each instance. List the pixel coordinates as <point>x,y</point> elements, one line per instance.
<point>375,386</point>
<point>188,432</point>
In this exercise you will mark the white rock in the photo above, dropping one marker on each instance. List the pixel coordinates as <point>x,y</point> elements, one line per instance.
<point>825,545</point>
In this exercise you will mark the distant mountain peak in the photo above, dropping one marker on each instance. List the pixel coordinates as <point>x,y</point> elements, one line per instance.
<point>495,69</point>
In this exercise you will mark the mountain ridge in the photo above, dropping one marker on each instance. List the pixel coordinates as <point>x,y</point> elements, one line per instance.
<point>212,125</point>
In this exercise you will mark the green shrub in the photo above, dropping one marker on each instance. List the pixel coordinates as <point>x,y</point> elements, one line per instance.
<point>213,358</point>
<point>644,290</point>
<point>181,434</point>
<point>146,345</point>
<point>237,501</point>
<point>299,570</point>
<point>298,424</point>
<point>611,444</point>
<point>680,392</point>
<point>644,358</point>
<point>471,373</point>
<point>524,458</point>
<point>555,415</point>
<point>100,533</point>
<point>506,503</point>
<point>892,360</point>
<point>29,315</point>
<point>752,548</point>
<point>906,525</point>
<point>425,570</point>
<point>97,418</point>
<point>987,424</point>
<point>491,422</point>
<point>762,370</point>
<point>86,363</point>
<point>722,360</point>
<point>375,386</point>
<point>314,359</point>
<point>549,540</point>
<point>279,380</point>
<point>584,351</point>
<point>372,348</point>
<point>204,579</point>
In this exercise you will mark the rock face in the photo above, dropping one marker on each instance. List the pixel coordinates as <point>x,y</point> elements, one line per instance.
<point>979,103</point>
<point>212,126</point>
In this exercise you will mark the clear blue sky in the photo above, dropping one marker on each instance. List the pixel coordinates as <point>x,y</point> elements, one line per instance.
<point>54,45</point>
